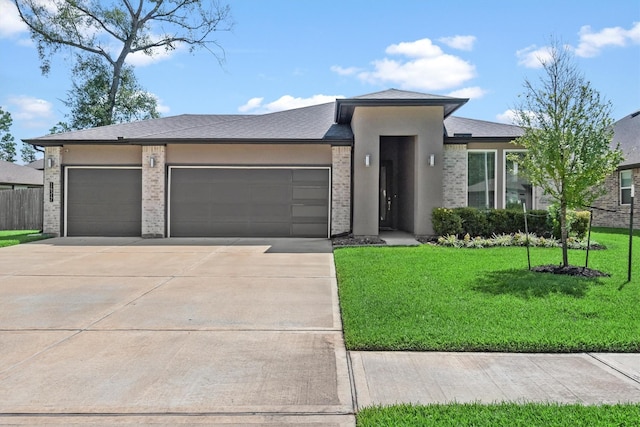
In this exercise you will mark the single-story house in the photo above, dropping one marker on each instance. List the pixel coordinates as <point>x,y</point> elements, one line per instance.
<point>616,203</point>
<point>361,165</point>
<point>13,176</point>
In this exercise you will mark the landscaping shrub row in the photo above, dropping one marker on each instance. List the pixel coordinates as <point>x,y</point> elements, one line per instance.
<point>486,223</point>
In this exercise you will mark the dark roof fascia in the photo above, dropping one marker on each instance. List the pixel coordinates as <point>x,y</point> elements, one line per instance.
<point>147,142</point>
<point>631,166</point>
<point>349,105</point>
<point>481,139</point>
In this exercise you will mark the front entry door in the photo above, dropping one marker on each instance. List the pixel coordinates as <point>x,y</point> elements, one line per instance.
<point>385,197</point>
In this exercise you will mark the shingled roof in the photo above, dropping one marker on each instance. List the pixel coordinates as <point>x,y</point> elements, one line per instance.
<point>13,174</point>
<point>324,124</point>
<point>462,127</point>
<point>626,132</point>
<point>307,124</point>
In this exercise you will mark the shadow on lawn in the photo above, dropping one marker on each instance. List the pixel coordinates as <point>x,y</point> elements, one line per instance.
<point>526,284</point>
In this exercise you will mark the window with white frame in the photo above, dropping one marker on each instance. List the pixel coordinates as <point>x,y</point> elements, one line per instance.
<point>517,188</point>
<point>481,179</point>
<point>626,180</point>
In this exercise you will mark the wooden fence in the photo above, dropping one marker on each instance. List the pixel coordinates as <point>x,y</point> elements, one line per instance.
<point>21,209</point>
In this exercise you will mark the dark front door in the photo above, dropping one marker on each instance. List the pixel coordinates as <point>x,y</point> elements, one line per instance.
<point>386,196</point>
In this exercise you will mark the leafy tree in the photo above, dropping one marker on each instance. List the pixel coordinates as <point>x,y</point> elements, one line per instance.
<point>567,133</point>
<point>88,101</point>
<point>112,30</point>
<point>7,143</point>
<point>27,153</point>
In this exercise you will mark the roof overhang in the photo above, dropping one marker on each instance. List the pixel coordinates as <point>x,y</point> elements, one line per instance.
<point>149,142</point>
<point>479,139</point>
<point>346,107</point>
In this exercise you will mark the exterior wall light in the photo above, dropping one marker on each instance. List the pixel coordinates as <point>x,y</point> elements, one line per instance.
<point>367,160</point>
<point>432,160</point>
<point>152,162</point>
<point>50,162</point>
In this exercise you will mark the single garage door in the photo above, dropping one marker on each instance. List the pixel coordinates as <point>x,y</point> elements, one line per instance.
<point>251,202</point>
<point>103,201</point>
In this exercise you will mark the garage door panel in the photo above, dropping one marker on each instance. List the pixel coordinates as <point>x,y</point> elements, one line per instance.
<point>317,193</point>
<point>248,202</point>
<point>103,202</point>
<point>309,229</point>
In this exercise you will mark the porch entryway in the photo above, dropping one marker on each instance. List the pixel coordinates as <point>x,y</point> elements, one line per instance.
<point>396,195</point>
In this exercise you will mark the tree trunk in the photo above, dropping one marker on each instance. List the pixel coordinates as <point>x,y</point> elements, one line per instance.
<point>564,233</point>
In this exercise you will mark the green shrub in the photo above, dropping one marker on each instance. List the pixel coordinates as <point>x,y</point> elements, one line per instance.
<point>446,222</point>
<point>577,222</point>
<point>481,223</point>
<point>474,221</point>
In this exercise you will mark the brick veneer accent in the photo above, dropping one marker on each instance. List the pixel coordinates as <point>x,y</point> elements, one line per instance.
<point>52,209</point>
<point>611,201</point>
<point>340,190</point>
<point>153,191</point>
<point>454,177</point>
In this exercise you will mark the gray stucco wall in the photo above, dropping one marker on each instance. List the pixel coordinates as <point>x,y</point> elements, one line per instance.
<point>369,124</point>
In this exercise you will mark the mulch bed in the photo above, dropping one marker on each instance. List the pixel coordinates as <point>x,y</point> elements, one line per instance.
<point>349,240</point>
<point>570,270</point>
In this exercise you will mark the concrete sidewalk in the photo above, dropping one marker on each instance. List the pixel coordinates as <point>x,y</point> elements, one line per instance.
<point>387,378</point>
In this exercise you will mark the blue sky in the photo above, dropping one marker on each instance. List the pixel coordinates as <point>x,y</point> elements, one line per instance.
<point>289,53</point>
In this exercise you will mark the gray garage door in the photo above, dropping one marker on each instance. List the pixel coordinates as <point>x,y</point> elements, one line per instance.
<point>103,202</point>
<point>218,202</point>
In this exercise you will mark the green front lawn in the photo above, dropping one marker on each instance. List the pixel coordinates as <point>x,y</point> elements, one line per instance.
<point>502,414</point>
<point>15,237</point>
<point>432,298</point>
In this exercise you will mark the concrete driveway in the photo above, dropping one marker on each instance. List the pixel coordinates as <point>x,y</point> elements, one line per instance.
<point>172,331</point>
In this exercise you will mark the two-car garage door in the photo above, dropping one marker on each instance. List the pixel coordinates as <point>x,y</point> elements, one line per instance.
<point>256,202</point>
<point>202,202</point>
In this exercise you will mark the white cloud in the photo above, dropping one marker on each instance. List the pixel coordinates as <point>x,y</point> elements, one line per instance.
<point>418,49</point>
<point>473,92</point>
<point>160,106</point>
<point>286,102</point>
<point>534,56</point>
<point>30,111</point>
<point>252,104</point>
<point>459,42</point>
<point>345,71</point>
<point>508,117</point>
<point>591,43</point>
<point>426,67</point>
<point>10,22</point>
<point>140,59</point>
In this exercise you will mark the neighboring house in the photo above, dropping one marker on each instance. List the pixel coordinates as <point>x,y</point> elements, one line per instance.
<point>360,165</point>
<point>617,199</point>
<point>37,164</point>
<point>14,176</point>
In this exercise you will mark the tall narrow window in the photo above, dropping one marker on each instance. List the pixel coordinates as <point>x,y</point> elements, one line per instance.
<point>517,188</point>
<point>626,180</point>
<point>481,179</point>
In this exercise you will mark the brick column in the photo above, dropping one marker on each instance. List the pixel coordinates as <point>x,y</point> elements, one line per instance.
<point>340,190</point>
<point>454,179</point>
<point>52,209</point>
<point>153,191</point>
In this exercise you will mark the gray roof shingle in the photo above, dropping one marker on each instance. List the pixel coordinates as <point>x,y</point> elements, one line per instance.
<point>13,174</point>
<point>626,132</point>
<point>307,123</point>
<point>480,128</point>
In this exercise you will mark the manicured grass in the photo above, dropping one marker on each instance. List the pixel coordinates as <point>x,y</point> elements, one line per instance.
<point>15,237</point>
<point>497,415</point>
<point>432,298</point>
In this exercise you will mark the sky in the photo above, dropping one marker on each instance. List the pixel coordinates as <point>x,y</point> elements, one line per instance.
<point>283,54</point>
